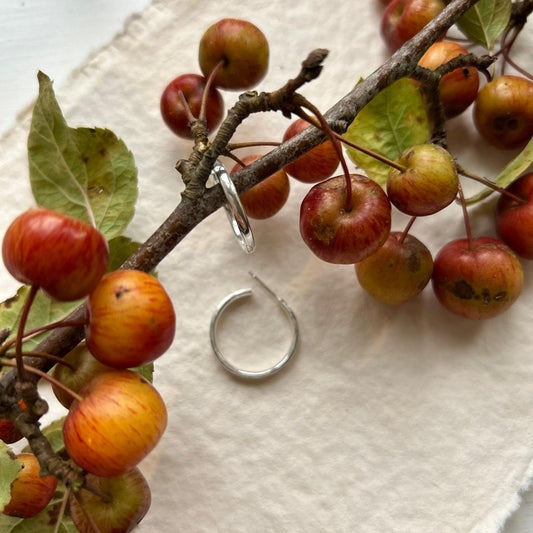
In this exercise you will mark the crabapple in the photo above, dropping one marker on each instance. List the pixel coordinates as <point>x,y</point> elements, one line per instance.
<point>62,255</point>
<point>345,236</point>
<point>117,423</point>
<point>266,198</point>
<point>129,500</point>
<point>130,319</point>
<point>403,19</point>
<point>514,220</point>
<point>30,492</point>
<point>79,366</point>
<point>503,112</point>
<point>429,182</point>
<point>315,165</point>
<point>173,110</point>
<point>398,271</point>
<point>8,432</point>
<point>458,88</point>
<point>240,47</point>
<point>477,279</point>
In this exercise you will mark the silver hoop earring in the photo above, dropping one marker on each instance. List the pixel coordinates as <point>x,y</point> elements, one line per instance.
<point>234,209</point>
<point>253,374</point>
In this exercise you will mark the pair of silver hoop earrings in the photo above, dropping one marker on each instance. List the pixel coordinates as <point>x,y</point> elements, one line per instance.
<point>243,233</point>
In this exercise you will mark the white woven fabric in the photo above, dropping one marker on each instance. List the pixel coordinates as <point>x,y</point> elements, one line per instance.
<point>404,420</point>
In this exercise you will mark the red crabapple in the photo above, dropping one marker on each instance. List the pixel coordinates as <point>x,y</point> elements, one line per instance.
<point>514,220</point>
<point>130,319</point>
<point>398,271</point>
<point>30,492</point>
<point>477,280</point>
<point>503,112</point>
<point>337,235</point>
<point>315,165</point>
<point>241,47</point>
<point>459,88</point>
<point>117,423</point>
<point>192,86</point>
<point>266,198</point>
<point>429,182</point>
<point>62,255</point>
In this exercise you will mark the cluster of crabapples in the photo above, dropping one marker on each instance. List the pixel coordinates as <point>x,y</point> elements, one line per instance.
<point>347,219</point>
<point>115,416</point>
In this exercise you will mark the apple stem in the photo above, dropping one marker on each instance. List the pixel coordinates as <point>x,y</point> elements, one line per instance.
<point>466,218</point>
<point>493,186</point>
<point>251,144</point>
<point>62,509</point>
<point>406,230</point>
<point>57,359</point>
<point>20,333</point>
<point>370,153</point>
<point>208,84</point>
<point>325,127</point>
<point>190,117</point>
<point>45,376</point>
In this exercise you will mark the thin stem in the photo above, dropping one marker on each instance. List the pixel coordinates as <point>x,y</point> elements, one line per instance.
<point>50,357</point>
<point>466,218</point>
<point>205,96</point>
<point>251,144</point>
<point>325,127</point>
<point>45,376</point>
<point>20,333</point>
<point>62,510</point>
<point>492,185</point>
<point>370,153</point>
<point>48,327</point>
<point>406,230</point>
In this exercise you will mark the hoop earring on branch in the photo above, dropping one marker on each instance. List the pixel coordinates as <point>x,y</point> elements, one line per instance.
<point>250,374</point>
<point>234,209</point>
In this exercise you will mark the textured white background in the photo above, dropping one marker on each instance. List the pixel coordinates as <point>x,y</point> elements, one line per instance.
<point>389,419</point>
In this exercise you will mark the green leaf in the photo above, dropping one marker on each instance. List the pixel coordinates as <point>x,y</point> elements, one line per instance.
<point>43,311</point>
<point>120,248</point>
<point>512,171</point>
<point>391,122</point>
<point>486,21</point>
<point>9,469</point>
<point>87,173</point>
<point>146,371</point>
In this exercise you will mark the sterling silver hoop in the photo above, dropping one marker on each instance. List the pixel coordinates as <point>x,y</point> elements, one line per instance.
<point>253,374</point>
<point>234,209</point>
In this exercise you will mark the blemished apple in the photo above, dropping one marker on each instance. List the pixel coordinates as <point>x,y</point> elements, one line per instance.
<point>398,271</point>
<point>62,255</point>
<point>479,279</point>
<point>266,198</point>
<point>341,236</point>
<point>30,492</point>
<point>514,220</point>
<point>403,19</point>
<point>128,501</point>
<point>458,88</point>
<point>315,165</point>
<point>428,184</point>
<point>193,87</point>
<point>118,422</point>
<point>81,367</point>
<point>503,112</point>
<point>241,47</point>
<point>130,319</point>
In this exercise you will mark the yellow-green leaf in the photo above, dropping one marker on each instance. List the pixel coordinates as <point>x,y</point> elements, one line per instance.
<point>9,469</point>
<point>43,311</point>
<point>486,21</point>
<point>391,122</point>
<point>511,171</point>
<point>87,173</point>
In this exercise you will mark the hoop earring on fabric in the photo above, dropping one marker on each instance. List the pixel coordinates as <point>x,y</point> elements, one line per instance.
<point>234,209</point>
<point>251,374</point>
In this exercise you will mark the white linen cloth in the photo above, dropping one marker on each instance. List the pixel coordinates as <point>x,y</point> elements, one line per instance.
<point>404,420</point>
